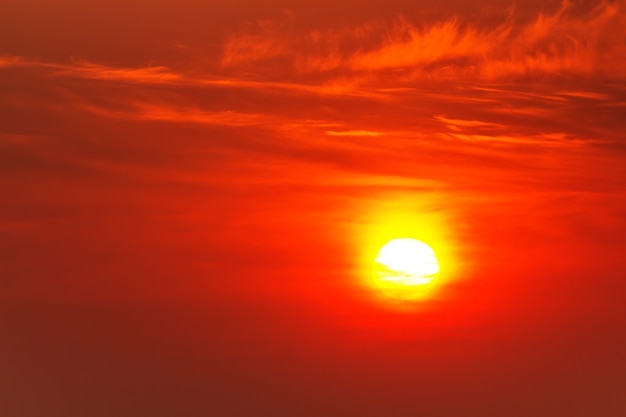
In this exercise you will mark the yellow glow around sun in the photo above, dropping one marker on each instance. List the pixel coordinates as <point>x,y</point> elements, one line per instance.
<point>407,251</point>
<point>405,268</point>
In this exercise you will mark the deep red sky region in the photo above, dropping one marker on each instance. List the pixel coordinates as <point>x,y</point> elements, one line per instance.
<point>192,195</point>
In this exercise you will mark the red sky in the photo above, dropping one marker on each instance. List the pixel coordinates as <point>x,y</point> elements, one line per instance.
<point>192,194</point>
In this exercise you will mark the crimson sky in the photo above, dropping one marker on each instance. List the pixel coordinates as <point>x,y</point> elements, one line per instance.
<point>191,194</point>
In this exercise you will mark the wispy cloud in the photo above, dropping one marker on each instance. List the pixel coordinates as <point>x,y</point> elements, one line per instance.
<point>551,44</point>
<point>11,61</point>
<point>269,42</point>
<point>458,124</point>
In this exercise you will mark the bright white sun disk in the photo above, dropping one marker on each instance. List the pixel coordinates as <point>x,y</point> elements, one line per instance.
<point>406,263</point>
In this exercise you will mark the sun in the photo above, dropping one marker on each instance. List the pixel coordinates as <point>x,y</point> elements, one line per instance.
<point>406,268</point>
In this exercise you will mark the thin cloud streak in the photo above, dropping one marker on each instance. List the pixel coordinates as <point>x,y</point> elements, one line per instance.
<point>354,133</point>
<point>86,69</point>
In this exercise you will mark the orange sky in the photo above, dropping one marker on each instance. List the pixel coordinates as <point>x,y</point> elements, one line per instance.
<point>192,194</point>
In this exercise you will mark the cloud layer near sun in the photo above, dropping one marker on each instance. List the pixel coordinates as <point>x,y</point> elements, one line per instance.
<point>529,105</point>
<point>552,43</point>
